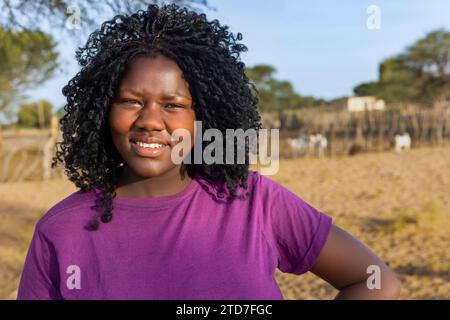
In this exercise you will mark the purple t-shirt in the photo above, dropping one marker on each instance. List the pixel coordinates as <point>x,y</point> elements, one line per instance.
<point>196,244</point>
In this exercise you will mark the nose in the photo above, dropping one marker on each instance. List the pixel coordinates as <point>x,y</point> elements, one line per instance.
<point>150,118</point>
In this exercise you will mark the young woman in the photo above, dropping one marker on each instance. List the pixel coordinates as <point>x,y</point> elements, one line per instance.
<point>144,227</point>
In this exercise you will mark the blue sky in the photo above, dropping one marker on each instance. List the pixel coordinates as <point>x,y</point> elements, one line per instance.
<point>323,47</point>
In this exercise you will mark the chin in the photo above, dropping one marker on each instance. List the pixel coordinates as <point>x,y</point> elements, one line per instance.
<point>151,170</point>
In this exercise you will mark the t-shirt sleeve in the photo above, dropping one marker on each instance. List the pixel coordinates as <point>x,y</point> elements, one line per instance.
<point>297,230</point>
<point>40,271</point>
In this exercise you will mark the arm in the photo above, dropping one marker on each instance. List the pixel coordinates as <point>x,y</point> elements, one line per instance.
<point>40,271</point>
<point>343,263</point>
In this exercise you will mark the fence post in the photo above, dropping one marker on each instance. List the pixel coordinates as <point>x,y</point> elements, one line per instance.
<point>48,147</point>
<point>381,128</point>
<point>1,138</point>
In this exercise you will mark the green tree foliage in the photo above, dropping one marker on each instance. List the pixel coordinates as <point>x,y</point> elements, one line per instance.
<point>26,14</point>
<point>420,74</point>
<point>397,82</point>
<point>27,58</point>
<point>34,115</point>
<point>27,55</point>
<point>431,54</point>
<point>277,95</point>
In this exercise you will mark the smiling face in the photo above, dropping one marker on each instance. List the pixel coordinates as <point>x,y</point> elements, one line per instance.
<point>151,102</point>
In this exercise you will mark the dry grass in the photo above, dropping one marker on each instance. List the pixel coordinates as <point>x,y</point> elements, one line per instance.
<point>398,204</point>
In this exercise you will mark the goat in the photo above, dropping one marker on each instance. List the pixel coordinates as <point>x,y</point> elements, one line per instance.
<point>402,142</point>
<point>318,143</point>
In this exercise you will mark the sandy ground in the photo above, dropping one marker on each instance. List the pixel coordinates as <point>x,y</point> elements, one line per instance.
<point>397,204</point>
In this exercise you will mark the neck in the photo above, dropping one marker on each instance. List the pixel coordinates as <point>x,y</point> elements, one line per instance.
<point>169,183</point>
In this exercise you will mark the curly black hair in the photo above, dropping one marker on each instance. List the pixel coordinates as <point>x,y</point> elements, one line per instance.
<point>209,57</point>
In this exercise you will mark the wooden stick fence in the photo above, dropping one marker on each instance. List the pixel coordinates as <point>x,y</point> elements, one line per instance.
<point>27,153</point>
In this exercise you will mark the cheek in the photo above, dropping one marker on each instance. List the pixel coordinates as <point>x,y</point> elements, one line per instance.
<point>119,122</point>
<point>189,122</point>
<point>185,121</point>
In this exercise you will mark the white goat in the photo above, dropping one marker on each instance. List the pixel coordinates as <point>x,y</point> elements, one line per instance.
<point>299,144</point>
<point>318,143</point>
<point>402,142</point>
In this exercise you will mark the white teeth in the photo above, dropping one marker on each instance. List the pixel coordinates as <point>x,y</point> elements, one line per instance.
<point>149,145</point>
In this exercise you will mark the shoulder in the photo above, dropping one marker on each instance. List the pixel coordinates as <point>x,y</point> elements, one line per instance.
<point>71,211</point>
<point>256,183</point>
<point>273,194</point>
<point>262,184</point>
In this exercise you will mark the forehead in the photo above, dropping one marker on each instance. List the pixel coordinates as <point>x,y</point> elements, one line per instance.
<point>154,75</point>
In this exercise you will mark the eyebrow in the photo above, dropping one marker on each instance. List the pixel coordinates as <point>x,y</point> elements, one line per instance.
<point>165,97</point>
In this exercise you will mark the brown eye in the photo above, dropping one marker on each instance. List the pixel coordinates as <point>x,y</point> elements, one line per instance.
<point>173,106</point>
<point>129,102</point>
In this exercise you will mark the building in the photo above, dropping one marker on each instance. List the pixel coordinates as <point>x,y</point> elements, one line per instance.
<point>357,104</point>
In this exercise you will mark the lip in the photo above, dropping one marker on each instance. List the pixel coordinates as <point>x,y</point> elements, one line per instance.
<point>147,152</point>
<point>148,139</point>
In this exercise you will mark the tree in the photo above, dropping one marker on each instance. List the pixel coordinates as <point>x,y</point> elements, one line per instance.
<point>430,58</point>
<point>27,58</point>
<point>277,95</point>
<point>431,54</point>
<point>34,115</point>
<point>261,75</point>
<point>40,15</point>
<point>420,74</point>
<point>397,82</point>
